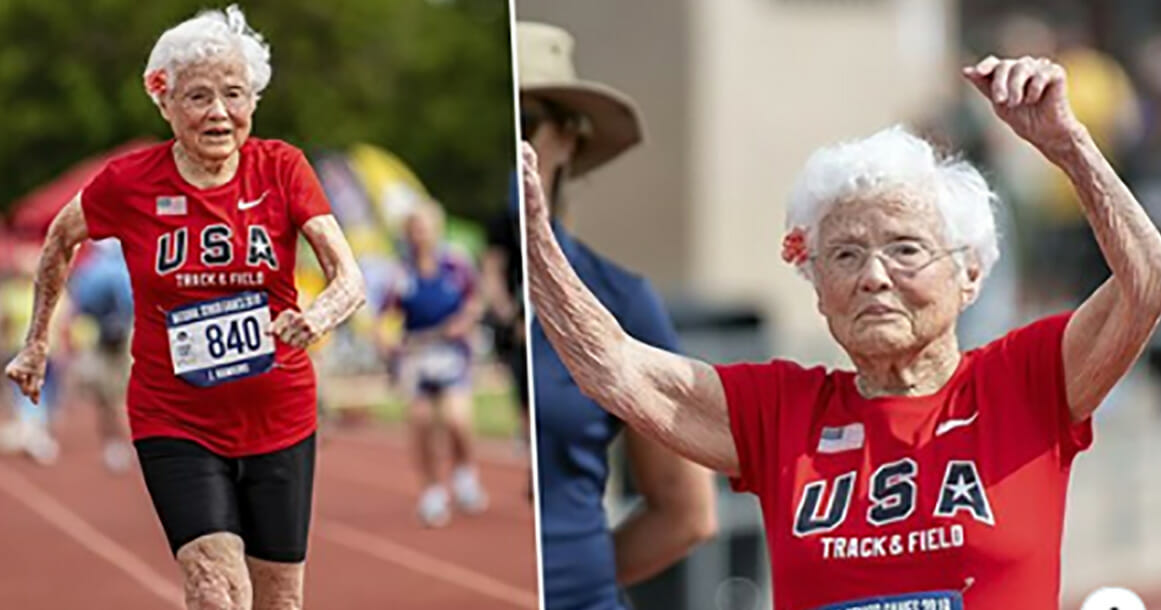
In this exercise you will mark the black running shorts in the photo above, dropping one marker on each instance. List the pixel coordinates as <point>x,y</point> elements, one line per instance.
<point>265,499</point>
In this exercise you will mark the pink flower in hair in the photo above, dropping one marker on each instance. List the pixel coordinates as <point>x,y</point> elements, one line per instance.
<point>794,249</point>
<point>156,82</point>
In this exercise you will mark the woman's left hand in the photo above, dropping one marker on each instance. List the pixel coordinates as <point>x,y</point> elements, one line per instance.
<point>294,329</point>
<point>1030,95</point>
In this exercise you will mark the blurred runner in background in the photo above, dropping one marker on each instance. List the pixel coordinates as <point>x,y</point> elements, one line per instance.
<point>437,296</point>
<point>100,291</point>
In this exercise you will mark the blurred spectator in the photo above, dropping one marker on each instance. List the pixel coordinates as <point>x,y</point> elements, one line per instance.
<point>99,289</point>
<point>501,286</point>
<point>28,429</point>
<point>438,298</point>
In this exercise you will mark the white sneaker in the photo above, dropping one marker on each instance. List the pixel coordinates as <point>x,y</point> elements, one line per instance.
<point>433,507</point>
<point>469,494</point>
<point>118,457</point>
<point>41,446</point>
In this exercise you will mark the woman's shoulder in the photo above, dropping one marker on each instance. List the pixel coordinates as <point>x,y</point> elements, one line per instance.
<point>784,370</point>
<point>273,147</point>
<point>1044,332</point>
<point>139,160</point>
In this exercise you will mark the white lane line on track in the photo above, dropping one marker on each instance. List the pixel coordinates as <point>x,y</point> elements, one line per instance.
<point>499,453</point>
<point>60,517</point>
<point>411,559</point>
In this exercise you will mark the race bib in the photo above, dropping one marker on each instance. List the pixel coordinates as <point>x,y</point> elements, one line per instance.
<point>220,340</point>
<point>440,363</point>
<point>928,600</point>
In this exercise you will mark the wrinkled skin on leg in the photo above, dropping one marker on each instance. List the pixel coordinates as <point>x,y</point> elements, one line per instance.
<point>215,574</point>
<point>277,586</point>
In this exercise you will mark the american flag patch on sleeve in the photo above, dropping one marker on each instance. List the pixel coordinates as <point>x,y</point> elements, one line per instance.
<point>840,438</point>
<point>171,206</point>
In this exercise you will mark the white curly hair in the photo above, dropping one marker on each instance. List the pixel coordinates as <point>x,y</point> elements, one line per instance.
<point>210,33</point>
<point>891,159</point>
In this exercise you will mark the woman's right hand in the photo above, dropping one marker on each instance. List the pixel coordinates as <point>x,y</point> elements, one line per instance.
<point>27,369</point>
<point>535,206</point>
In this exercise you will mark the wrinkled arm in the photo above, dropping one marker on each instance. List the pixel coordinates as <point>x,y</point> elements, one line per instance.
<point>677,511</point>
<point>677,401</point>
<point>345,291</point>
<point>67,230</point>
<point>1110,329</point>
<point>65,233</point>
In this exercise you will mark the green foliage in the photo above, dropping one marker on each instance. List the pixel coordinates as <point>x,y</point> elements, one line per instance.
<point>429,80</point>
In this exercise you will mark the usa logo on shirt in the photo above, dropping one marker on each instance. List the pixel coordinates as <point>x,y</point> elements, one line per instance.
<point>171,206</point>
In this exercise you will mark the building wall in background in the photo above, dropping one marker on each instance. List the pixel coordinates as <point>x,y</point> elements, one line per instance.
<point>636,209</point>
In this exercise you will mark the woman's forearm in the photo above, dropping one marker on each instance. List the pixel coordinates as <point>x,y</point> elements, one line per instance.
<point>466,319</point>
<point>585,335</point>
<point>64,234</point>
<point>1128,238</point>
<point>343,295</point>
<point>345,291</point>
<point>649,541</point>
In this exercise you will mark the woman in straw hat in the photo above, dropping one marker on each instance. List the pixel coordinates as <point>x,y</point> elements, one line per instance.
<point>576,126</point>
<point>927,477</point>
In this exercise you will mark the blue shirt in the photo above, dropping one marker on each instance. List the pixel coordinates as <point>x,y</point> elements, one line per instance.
<point>573,434</point>
<point>100,288</point>
<point>428,301</point>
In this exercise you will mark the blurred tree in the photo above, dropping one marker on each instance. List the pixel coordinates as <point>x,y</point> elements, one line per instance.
<point>430,81</point>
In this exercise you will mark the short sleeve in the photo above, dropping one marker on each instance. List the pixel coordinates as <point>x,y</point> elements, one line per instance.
<point>102,204</point>
<point>307,198</point>
<point>647,320</point>
<point>1035,353</point>
<point>752,400</point>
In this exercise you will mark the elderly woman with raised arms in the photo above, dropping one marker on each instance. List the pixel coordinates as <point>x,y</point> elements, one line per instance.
<point>926,476</point>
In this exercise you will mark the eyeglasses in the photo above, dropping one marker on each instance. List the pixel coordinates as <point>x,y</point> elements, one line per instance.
<point>533,115</point>
<point>901,256</point>
<point>200,99</point>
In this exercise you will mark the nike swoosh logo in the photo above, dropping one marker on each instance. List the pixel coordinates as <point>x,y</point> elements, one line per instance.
<point>246,205</point>
<point>952,424</point>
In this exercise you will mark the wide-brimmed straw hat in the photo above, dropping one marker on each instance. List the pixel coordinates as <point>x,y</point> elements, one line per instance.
<point>546,71</point>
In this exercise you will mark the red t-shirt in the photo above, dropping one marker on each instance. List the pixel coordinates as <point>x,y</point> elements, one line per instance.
<point>963,489</point>
<point>185,245</point>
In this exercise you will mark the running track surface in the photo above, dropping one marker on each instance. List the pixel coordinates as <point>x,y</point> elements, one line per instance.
<point>75,536</point>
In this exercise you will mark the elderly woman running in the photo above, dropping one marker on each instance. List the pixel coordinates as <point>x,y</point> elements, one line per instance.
<point>927,476</point>
<point>221,397</point>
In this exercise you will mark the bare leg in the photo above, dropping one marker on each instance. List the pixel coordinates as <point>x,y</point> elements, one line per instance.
<point>455,406</point>
<point>214,569</point>
<point>421,417</point>
<point>456,409</point>
<point>277,586</point>
<point>433,501</point>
